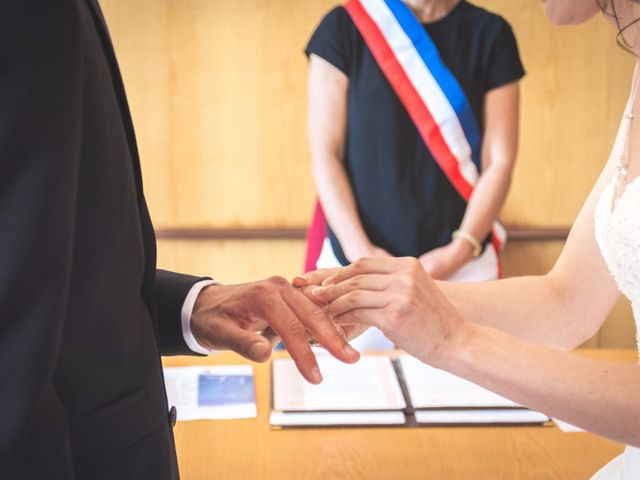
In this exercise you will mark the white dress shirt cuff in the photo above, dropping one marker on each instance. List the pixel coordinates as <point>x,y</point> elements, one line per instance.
<point>187,310</point>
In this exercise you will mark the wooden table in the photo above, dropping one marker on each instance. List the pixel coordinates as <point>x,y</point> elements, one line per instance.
<point>249,449</point>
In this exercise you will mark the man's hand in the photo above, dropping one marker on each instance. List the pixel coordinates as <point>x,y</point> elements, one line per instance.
<point>232,317</point>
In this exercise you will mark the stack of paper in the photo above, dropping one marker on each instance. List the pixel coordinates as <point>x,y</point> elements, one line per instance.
<point>442,398</point>
<point>220,392</point>
<point>367,393</point>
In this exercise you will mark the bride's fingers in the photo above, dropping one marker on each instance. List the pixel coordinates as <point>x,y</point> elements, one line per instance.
<point>373,282</point>
<point>365,266</point>
<point>308,292</point>
<point>356,299</point>
<point>368,317</point>
<point>354,331</point>
<point>313,278</point>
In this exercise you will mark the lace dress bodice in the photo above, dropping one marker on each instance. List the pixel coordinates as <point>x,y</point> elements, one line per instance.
<point>617,231</point>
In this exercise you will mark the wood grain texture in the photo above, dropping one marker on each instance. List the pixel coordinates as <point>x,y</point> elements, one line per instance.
<point>217,91</point>
<point>233,261</point>
<point>573,97</point>
<point>249,449</point>
<point>218,95</point>
<point>514,234</point>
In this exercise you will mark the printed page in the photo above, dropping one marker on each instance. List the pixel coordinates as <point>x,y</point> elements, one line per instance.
<point>433,388</point>
<point>370,384</point>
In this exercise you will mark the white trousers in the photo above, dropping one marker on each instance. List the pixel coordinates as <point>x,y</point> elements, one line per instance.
<point>481,269</point>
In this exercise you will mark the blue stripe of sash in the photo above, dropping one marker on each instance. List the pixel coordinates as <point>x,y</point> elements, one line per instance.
<point>441,73</point>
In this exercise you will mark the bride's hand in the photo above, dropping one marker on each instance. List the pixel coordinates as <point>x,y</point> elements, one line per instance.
<point>401,299</point>
<point>309,281</point>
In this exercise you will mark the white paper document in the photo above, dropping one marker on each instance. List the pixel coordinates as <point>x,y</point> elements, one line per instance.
<point>369,384</point>
<point>442,398</point>
<point>211,393</point>
<point>433,388</point>
<point>366,393</point>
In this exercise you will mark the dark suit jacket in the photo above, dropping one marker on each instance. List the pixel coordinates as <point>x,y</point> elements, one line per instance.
<point>84,315</point>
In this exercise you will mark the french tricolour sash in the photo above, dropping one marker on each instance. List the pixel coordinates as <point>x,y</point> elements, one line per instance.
<point>428,90</point>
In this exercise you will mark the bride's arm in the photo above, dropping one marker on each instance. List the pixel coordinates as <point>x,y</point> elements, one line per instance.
<point>602,397</point>
<point>397,296</point>
<point>562,309</point>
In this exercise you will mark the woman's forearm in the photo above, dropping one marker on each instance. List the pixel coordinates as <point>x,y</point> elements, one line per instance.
<point>499,150</point>
<point>327,128</point>
<point>534,308</point>
<point>487,200</point>
<point>602,397</point>
<point>338,202</point>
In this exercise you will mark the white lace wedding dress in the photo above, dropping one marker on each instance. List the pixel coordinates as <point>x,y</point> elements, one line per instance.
<point>617,230</point>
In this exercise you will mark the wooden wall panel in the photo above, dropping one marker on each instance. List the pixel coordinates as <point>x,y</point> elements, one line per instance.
<point>573,96</point>
<point>218,94</point>
<point>233,261</point>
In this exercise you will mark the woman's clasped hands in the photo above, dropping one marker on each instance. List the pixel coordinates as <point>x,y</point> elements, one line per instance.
<point>395,295</point>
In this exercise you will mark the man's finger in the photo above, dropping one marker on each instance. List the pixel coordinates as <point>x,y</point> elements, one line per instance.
<point>290,328</point>
<point>250,345</point>
<point>270,334</point>
<point>320,326</point>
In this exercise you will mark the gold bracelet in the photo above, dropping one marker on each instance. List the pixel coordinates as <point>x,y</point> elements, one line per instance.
<point>477,246</point>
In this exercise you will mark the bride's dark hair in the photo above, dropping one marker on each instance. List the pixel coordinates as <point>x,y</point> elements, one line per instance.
<point>604,6</point>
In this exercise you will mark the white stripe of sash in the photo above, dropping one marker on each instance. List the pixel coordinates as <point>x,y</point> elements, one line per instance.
<point>426,86</point>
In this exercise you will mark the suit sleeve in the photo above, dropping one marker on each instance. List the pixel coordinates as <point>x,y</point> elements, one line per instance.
<point>171,290</point>
<point>40,112</point>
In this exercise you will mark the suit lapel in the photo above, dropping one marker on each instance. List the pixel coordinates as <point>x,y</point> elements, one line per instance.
<point>98,16</point>
<point>118,86</point>
<point>145,219</point>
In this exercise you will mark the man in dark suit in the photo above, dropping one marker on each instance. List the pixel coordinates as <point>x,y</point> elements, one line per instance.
<point>84,314</point>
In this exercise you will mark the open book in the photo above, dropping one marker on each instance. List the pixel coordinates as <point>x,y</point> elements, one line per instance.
<point>378,391</point>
